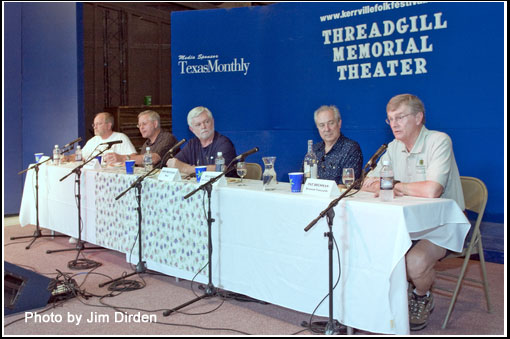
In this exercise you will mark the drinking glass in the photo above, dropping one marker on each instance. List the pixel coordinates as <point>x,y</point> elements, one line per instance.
<point>348,176</point>
<point>241,171</point>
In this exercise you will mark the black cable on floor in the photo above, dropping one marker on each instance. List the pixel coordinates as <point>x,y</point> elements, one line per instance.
<point>83,264</point>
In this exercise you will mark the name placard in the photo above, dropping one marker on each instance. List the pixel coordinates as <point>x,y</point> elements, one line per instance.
<point>169,174</point>
<point>94,164</point>
<point>321,188</point>
<point>208,175</point>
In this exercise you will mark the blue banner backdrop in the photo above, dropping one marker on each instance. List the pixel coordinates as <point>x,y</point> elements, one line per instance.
<point>263,71</point>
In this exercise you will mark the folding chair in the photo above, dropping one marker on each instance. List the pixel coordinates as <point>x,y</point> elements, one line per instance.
<point>475,198</point>
<point>254,171</point>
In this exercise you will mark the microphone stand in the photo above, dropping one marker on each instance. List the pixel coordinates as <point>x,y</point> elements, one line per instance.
<point>80,245</point>
<point>210,290</point>
<point>333,327</point>
<point>37,234</point>
<point>140,267</point>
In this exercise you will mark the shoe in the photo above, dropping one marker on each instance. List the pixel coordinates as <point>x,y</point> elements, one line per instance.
<point>72,240</point>
<point>420,308</point>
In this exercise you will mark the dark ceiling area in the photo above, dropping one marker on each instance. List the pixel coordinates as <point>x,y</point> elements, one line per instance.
<point>127,57</point>
<point>184,6</point>
<point>176,6</point>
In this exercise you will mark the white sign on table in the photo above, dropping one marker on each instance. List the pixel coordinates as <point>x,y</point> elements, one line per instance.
<point>169,174</point>
<point>94,164</point>
<point>321,188</point>
<point>209,175</point>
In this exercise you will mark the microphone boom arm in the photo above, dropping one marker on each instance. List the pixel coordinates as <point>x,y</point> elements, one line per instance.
<point>79,167</point>
<point>137,181</point>
<point>212,181</point>
<point>332,204</point>
<point>227,170</point>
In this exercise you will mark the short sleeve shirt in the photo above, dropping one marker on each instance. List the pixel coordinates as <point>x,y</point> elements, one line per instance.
<point>195,155</point>
<point>164,141</point>
<point>431,159</point>
<point>92,146</point>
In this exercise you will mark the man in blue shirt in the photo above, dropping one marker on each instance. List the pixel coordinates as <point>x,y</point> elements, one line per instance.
<point>202,150</point>
<point>335,151</point>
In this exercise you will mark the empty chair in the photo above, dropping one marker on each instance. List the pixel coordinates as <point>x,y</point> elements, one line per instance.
<point>475,198</point>
<point>254,171</point>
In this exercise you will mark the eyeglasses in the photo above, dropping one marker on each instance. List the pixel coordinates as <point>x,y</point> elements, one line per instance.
<point>143,124</point>
<point>397,119</point>
<point>98,124</point>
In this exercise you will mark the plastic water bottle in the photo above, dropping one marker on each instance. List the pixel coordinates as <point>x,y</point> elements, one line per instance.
<point>310,163</point>
<point>56,155</point>
<point>386,190</point>
<point>219,162</point>
<point>147,159</point>
<point>77,154</point>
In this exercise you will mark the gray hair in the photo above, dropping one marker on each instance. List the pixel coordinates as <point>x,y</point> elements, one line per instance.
<point>195,112</point>
<point>153,116</point>
<point>331,108</point>
<point>108,117</point>
<point>412,101</point>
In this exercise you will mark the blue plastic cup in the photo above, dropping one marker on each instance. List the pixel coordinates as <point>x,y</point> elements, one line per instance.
<point>198,172</point>
<point>296,180</point>
<point>38,156</point>
<point>130,166</point>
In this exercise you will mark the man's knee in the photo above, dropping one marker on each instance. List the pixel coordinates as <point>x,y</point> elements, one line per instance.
<point>422,258</point>
<point>416,263</point>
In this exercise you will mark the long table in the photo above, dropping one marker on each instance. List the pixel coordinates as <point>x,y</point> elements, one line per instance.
<point>260,248</point>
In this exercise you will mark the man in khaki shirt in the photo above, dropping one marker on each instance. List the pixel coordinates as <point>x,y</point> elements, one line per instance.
<point>424,166</point>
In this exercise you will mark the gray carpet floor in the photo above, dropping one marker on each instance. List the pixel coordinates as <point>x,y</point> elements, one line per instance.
<point>99,311</point>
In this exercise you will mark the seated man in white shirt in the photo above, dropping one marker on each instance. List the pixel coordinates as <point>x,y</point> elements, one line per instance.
<point>424,166</point>
<point>103,124</point>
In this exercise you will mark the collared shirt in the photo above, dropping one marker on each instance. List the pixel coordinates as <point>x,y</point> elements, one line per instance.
<point>345,153</point>
<point>431,159</point>
<point>164,141</point>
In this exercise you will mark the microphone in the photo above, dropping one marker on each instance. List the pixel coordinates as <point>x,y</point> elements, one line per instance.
<point>176,146</point>
<point>245,154</point>
<point>72,142</point>
<point>111,143</point>
<point>377,154</point>
<point>170,151</point>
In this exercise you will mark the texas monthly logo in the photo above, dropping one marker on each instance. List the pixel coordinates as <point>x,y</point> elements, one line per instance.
<point>200,64</point>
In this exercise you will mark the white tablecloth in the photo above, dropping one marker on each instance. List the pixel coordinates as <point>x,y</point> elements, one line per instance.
<point>260,248</point>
